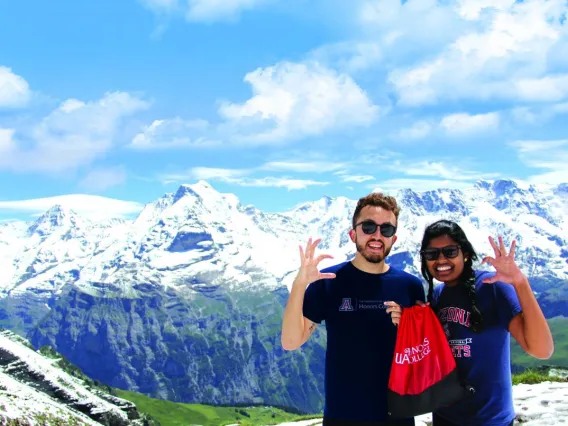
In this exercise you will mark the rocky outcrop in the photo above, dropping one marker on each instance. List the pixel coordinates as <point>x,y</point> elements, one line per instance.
<point>220,348</point>
<point>35,388</point>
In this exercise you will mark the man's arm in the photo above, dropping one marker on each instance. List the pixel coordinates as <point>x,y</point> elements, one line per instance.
<point>296,329</point>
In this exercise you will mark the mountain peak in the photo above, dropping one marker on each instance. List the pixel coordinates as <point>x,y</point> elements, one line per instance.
<point>202,184</point>
<point>199,189</point>
<point>184,191</point>
<point>58,210</point>
<point>56,217</point>
<point>482,184</point>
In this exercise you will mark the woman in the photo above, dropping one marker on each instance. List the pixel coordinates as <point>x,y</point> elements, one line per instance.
<point>479,310</point>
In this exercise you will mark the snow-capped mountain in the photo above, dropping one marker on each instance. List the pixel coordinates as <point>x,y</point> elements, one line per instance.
<point>194,287</point>
<point>199,237</point>
<point>35,389</point>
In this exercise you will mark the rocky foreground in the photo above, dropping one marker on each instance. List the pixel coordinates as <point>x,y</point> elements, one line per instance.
<point>543,404</point>
<point>35,390</point>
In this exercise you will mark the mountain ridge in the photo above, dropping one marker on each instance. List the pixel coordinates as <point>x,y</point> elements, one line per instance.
<point>193,288</point>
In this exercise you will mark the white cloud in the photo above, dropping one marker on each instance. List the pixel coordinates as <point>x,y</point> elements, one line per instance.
<point>418,20</point>
<point>203,10</point>
<point>207,173</point>
<point>290,101</point>
<point>505,56</point>
<point>301,166</point>
<point>549,155</point>
<point>446,174</point>
<point>91,206</point>
<point>544,154</point>
<point>350,56</point>
<point>278,182</point>
<point>240,177</point>
<point>14,90</point>
<point>234,175</point>
<point>472,9</point>
<point>346,176</point>
<point>550,178</point>
<point>294,100</point>
<point>173,133</point>
<point>418,130</point>
<point>357,178</point>
<point>538,114</point>
<point>162,6</point>
<point>6,140</point>
<point>543,89</point>
<point>203,173</point>
<point>448,171</point>
<point>388,32</point>
<point>463,123</point>
<point>219,10</point>
<point>103,179</point>
<point>72,135</point>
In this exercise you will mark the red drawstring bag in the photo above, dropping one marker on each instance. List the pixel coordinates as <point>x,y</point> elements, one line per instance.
<point>423,376</point>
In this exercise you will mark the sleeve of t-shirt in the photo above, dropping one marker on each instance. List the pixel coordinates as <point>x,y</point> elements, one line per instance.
<point>314,302</point>
<point>508,305</point>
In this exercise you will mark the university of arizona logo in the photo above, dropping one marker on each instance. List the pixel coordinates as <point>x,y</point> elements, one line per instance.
<point>346,304</point>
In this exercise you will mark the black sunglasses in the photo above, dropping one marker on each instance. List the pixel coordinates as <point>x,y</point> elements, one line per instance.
<point>369,227</point>
<point>434,253</point>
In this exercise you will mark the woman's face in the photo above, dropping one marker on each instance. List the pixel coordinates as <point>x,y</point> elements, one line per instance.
<point>444,259</point>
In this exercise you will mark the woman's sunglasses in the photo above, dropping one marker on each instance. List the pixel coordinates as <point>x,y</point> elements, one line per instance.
<point>369,227</point>
<point>434,253</point>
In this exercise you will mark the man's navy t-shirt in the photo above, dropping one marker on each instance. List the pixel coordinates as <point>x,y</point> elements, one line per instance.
<point>483,359</point>
<point>360,337</point>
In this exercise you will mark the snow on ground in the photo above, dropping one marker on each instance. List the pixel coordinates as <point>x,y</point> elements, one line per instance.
<point>19,401</point>
<point>543,404</point>
<point>16,396</point>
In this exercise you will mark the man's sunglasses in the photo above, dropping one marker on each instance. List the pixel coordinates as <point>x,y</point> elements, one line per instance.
<point>434,253</point>
<point>369,227</point>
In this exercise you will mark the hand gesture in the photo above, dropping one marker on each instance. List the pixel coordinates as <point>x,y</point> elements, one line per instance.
<point>309,271</point>
<point>504,264</point>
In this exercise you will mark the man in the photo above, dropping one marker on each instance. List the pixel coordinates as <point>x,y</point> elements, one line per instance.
<point>353,299</point>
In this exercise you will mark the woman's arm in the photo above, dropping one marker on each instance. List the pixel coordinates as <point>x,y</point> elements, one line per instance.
<point>530,328</point>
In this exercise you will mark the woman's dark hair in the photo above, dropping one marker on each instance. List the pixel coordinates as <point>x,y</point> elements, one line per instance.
<point>467,278</point>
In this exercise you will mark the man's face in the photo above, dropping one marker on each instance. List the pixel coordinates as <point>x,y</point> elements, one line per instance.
<point>374,247</point>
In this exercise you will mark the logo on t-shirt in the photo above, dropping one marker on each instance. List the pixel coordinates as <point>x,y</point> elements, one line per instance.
<point>452,314</point>
<point>461,348</point>
<point>414,354</point>
<point>346,305</point>
<point>371,304</point>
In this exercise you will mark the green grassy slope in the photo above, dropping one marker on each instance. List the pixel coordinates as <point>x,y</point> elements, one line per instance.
<point>178,414</point>
<point>559,328</point>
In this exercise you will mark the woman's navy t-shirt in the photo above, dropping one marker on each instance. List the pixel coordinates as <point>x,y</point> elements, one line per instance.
<point>360,337</point>
<point>483,359</point>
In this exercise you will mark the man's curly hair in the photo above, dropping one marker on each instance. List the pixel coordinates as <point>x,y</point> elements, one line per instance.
<point>376,199</point>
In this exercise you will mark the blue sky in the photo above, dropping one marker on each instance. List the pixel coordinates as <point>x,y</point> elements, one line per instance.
<point>278,101</point>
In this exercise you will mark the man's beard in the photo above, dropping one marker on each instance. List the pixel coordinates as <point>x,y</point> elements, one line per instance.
<point>375,258</point>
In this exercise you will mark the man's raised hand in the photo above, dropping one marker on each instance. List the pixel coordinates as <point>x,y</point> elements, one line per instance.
<point>309,271</point>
